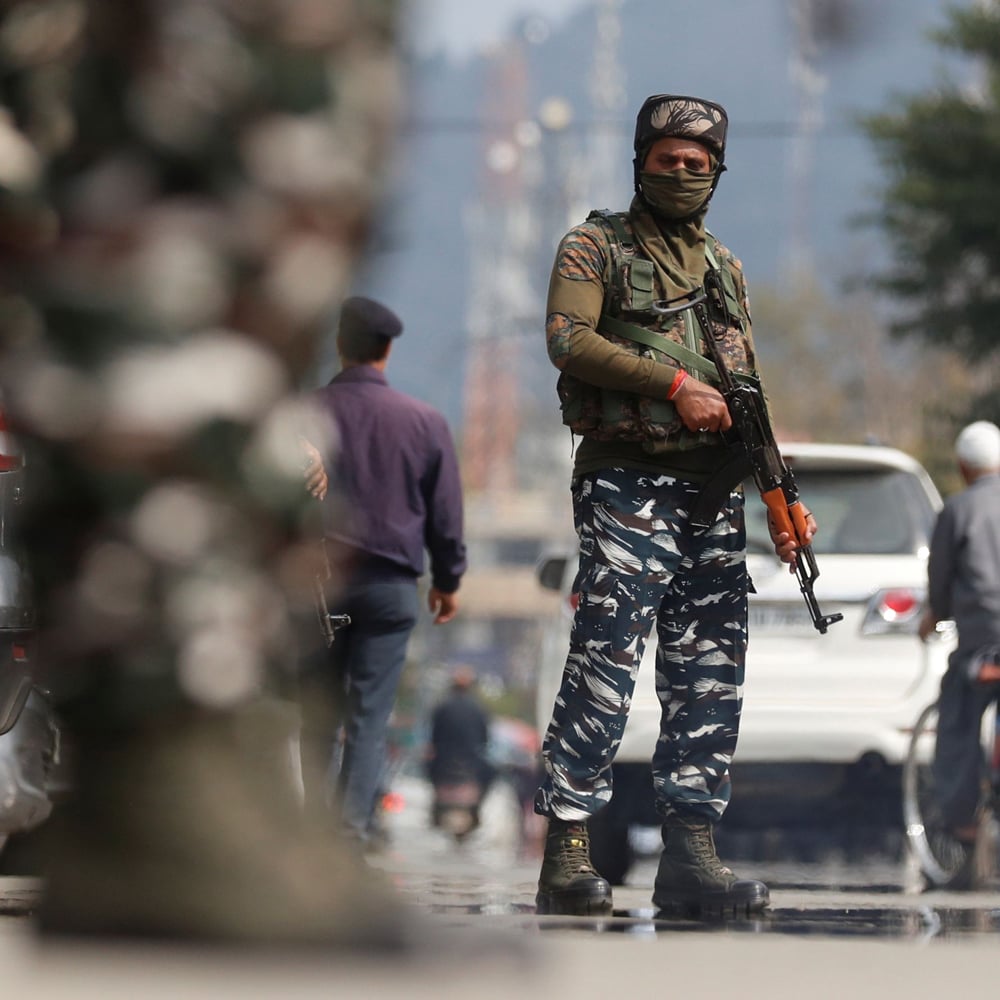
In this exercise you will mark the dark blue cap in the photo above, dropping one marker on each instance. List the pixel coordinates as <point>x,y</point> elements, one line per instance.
<point>366,316</point>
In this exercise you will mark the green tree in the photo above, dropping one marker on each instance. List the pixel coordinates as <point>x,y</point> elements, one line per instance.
<point>941,154</point>
<point>833,374</point>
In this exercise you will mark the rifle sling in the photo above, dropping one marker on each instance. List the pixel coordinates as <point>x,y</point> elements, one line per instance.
<point>677,352</point>
<point>736,468</point>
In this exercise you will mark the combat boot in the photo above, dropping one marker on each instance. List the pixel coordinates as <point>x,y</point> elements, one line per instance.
<point>568,882</point>
<point>691,879</point>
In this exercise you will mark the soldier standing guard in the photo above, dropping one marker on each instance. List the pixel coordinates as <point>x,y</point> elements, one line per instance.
<point>651,443</point>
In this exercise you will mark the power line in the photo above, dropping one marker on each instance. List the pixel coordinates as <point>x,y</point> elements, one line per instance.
<point>751,130</point>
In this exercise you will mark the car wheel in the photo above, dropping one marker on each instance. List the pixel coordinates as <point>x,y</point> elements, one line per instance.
<point>610,851</point>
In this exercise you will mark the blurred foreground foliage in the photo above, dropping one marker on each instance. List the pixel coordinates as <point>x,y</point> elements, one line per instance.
<point>186,188</point>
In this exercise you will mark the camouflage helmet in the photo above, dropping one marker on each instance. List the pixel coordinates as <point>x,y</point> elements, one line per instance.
<point>684,117</point>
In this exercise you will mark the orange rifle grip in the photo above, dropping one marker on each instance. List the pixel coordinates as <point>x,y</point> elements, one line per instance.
<point>781,513</point>
<point>798,515</point>
<point>788,517</point>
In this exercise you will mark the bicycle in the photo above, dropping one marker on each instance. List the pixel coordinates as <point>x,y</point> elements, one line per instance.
<point>942,859</point>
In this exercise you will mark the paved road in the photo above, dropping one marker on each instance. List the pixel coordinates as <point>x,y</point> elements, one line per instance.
<point>834,929</point>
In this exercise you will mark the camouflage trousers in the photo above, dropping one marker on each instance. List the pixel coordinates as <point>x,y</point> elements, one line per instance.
<point>642,565</point>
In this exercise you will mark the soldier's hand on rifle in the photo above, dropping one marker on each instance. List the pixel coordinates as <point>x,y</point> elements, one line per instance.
<point>701,407</point>
<point>785,546</point>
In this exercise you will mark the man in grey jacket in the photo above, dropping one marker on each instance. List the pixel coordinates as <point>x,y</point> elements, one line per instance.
<point>964,585</point>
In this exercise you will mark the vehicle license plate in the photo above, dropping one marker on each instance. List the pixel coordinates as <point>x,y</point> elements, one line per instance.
<point>779,616</point>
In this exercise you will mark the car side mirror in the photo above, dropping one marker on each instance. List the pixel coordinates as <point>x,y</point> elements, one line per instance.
<point>550,571</point>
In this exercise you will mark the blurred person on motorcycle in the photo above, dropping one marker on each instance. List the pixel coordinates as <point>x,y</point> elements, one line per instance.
<point>458,764</point>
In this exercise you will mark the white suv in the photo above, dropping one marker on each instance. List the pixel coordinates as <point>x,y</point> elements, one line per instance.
<point>826,718</point>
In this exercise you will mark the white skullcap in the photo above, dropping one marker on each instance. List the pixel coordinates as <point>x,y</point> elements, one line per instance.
<point>978,446</point>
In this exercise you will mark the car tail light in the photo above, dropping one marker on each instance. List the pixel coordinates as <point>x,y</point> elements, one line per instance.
<point>893,610</point>
<point>570,603</point>
<point>10,453</point>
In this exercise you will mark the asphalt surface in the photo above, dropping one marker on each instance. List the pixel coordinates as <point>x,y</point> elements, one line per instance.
<point>837,928</point>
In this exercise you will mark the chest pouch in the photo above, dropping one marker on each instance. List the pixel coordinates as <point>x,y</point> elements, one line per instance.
<point>639,292</point>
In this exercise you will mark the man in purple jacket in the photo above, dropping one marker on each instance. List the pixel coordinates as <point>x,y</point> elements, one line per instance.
<point>395,493</point>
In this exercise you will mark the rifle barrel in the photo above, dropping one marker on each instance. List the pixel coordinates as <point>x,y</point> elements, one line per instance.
<point>752,424</point>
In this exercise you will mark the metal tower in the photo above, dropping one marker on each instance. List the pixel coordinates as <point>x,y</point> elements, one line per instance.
<point>502,304</point>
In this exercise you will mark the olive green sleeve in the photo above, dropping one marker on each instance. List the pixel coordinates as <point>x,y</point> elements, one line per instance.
<point>575,301</point>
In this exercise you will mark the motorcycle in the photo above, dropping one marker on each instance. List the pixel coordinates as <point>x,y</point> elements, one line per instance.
<point>455,806</point>
<point>32,760</point>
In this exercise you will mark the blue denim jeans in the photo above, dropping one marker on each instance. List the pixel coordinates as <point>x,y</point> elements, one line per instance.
<point>362,671</point>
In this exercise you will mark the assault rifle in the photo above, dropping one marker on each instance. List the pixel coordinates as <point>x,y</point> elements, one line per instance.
<point>752,429</point>
<point>329,623</point>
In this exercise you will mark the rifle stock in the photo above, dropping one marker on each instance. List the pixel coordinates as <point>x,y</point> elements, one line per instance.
<point>328,623</point>
<point>752,425</point>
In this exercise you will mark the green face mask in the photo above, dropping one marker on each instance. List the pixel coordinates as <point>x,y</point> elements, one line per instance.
<point>678,194</point>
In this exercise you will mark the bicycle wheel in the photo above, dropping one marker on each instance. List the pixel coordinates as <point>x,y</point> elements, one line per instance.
<point>990,821</point>
<point>941,857</point>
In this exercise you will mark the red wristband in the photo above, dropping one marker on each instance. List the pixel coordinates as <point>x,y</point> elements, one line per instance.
<point>679,380</point>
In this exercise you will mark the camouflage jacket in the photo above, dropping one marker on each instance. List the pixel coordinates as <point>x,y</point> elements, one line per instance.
<point>611,387</point>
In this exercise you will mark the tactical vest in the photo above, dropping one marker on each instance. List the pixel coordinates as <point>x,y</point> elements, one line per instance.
<point>628,320</point>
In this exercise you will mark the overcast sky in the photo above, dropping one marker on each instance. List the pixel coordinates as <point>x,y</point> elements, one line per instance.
<point>463,27</point>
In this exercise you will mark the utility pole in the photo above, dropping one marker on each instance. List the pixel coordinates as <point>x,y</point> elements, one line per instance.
<point>607,101</point>
<point>809,85</point>
<point>818,27</point>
